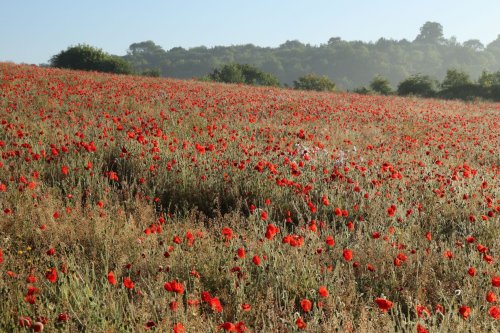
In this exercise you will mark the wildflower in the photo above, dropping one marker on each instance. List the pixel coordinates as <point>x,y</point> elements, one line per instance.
<point>227,233</point>
<point>464,311</point>
<point>494,312</point>
<point>347,254</point>
<point>128,283</point>
<point>491,297</point>
<point>51,275</point>
<point>179,328</point>
<point>322,291</point>
<point>246,307</point>
<point>174,286</point>
<point>111,278</point>
<point>271,231</point>
<point>241,252</point>
<point>306,305</point>
<point>300,323</point>
<point>383,304</point>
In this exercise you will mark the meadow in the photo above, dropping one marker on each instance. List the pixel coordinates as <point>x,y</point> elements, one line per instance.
<point>131,204</point>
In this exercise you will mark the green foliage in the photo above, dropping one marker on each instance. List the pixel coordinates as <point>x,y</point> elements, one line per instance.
<point>430,32</point>
<point>418,85</point>
<point>458,85</point>
<point>243,73</point>
<point>349,64</point>
<point>314,82</point>
<point>489,84</point>
<point>88,58</point>
<point>143,56</point>
<point>362,91</point>
<point>153,72</point>
<point>380,85</point>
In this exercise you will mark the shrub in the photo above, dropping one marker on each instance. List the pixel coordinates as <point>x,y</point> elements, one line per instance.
<point>457,85</point>
<point>418,85</point>
<point>314,82</point>
<point>243,73</point>
<point>88,58</point>
<point>380,85</point>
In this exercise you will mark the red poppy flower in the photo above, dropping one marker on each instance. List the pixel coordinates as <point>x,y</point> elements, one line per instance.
<point>241,252</point>
<point>491,297</point>
<point>494,312</point>
<point>421,329</point>
<point>111,278</point>
<point>322,291</point>
<point>495,281</point>
<point>271,231</point>
<point>300,323</point>
<point>179,328</point>
<point>464,311</point>
<point>228,327</point>
<point>175,287</point>
<point>246,307</point>
<point>51,275</point>
<point>383,304</point>
<point>306,305</point>
<point>128,283</point>
<point>347,254</point>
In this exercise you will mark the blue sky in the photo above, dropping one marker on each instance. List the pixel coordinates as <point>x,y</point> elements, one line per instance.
<point>34,30</point>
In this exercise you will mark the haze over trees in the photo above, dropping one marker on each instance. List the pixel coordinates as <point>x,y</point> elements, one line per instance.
<point>350,64</point>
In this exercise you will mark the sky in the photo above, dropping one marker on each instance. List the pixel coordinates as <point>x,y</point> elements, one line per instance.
<point>32,31</point>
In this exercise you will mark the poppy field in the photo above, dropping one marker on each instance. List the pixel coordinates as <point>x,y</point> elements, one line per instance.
<point>133,204</point>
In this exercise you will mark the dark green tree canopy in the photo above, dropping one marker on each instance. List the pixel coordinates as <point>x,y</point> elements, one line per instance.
<point>88,58</point>
<point>455,78</point>
<point>418,85</point>
<point>314,82</point>
<point>243,73</point>
<point>458,85</point>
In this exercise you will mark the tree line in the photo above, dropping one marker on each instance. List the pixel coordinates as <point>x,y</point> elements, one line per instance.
<point>352,65</point>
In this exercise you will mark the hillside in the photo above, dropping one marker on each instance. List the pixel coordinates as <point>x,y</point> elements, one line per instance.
<point>131,203</point>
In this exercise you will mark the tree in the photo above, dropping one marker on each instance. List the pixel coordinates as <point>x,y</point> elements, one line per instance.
<point>458,85</point>
<point>380,85</point>
<point>490,85</point>
<point>474,44</point>
<point>418,85</point>
<point>243,73</point>
<point>86,57</point>
<point>314,82</point>
<point>431,32</point>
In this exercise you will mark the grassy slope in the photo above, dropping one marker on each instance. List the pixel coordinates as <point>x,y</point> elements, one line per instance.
<point>109,170</point>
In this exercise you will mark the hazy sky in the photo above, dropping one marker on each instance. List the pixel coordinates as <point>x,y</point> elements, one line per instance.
<point>32,31</point>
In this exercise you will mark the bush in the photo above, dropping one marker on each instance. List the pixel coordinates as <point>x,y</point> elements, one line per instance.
<point>380,85</point>
<point>362,91</point>
<point>243,73</point>
<point>88,58</point>
<point>314,82</point>
<point>457,85</point>
<point>418,85</point>
<point>152,72</point>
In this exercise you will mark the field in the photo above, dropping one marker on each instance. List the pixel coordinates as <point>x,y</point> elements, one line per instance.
<point>130,204</point>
